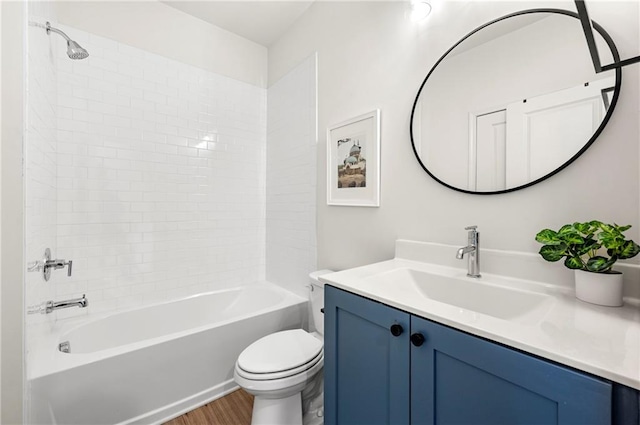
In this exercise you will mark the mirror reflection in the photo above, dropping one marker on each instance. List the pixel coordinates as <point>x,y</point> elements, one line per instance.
<point>512,103</point>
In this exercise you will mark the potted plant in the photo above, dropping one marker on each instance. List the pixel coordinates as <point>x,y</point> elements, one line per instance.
<point>591,249</point>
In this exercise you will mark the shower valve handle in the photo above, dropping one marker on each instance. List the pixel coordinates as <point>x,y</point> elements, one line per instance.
<point>59,264</point>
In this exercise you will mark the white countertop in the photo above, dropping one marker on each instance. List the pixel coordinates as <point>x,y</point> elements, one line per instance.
<point>604,341</point>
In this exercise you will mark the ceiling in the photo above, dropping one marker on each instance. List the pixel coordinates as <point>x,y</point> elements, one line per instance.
<point>262,21</point>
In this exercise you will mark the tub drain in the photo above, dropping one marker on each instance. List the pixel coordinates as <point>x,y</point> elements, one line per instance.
<point>65,347</point>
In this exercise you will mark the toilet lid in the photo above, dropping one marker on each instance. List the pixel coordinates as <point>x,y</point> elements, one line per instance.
<point>280,351</point>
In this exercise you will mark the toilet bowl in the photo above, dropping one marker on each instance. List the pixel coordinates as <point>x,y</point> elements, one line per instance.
<point>283,371</point>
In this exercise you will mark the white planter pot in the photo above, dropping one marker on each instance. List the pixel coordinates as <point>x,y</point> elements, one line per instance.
<point>599,288</point>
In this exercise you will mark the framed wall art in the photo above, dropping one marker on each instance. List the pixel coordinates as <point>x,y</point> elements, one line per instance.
<point>353,161</point>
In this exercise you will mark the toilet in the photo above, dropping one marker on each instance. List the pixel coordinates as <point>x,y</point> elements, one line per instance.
<point>283,371</point>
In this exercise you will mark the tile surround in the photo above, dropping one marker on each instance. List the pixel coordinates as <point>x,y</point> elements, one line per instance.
<point>159,186</point>
<point>291,178</point>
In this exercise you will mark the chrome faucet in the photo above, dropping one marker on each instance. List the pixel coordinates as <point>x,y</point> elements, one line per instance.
<point>47,264</point>
<point>50,306</point>
<point>473,249</point>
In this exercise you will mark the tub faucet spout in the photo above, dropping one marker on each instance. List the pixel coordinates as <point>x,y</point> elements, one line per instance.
<point>50,306</point>
<point>77,302</point>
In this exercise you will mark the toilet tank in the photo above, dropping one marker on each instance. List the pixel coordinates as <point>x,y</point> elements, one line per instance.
<point>316,296</point>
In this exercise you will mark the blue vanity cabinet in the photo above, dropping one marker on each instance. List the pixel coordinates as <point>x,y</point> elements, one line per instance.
<point>458,378</point>
<point>433,374</point>
<point>366,361</point>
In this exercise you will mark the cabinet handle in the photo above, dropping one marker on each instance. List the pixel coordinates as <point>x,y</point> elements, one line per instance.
<point>417,339</point>
<point>396,329</point>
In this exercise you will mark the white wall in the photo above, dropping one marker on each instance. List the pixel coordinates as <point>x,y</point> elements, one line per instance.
<point>291,178</point>
<point>371,55</point>
<point>155,27</point>
<point>11,274</point>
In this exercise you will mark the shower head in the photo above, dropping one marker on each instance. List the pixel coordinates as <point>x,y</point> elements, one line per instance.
<point>74,50</point>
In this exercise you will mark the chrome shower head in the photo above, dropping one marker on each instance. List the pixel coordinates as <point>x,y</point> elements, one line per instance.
<point>74,50</point>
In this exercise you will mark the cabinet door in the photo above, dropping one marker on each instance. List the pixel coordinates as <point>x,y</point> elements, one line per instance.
<point>366,367</point>
<point>461,379</point>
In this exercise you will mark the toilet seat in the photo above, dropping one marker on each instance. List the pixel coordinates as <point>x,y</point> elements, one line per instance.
<point>280,355</point>
<point>319,358</point>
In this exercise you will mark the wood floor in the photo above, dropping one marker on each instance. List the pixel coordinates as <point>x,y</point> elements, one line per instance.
<point>232,409</point>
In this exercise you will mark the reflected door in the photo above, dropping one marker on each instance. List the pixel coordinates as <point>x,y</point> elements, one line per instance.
<point>488,149</point>
<point>545,130</point>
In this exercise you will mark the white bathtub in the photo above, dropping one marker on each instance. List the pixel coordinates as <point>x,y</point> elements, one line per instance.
<point>151,364</point>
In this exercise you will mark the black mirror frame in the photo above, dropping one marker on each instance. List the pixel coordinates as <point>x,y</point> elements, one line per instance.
<point>587,27</point>
<point>614,100</point>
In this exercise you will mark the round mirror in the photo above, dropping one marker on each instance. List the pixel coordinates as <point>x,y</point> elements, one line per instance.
<point>513,102</point>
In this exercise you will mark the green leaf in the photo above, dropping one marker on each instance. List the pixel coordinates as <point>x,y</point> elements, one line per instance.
<point>567,228</point>
<point>628,250</point>
<point>574,263</point>
<point>573,239</point>
<point>548,237</point>
<point>622,228</point>
<point>584,228</point>
<point>607,228</point>
<point>611,240</point>
<point>589,244</point>
<point>553,252</point>
<point>600,264</point>
<point>595,223</point>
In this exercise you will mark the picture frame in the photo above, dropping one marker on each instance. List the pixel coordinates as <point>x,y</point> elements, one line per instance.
<point>353,161</point>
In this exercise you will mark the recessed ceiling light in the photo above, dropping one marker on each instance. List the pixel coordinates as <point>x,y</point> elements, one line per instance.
<point>420,9</point>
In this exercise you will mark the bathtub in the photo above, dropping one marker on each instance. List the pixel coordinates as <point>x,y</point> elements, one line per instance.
<point>148,365</point>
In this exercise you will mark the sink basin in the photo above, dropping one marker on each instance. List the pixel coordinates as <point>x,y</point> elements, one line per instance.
<point>477,295</point>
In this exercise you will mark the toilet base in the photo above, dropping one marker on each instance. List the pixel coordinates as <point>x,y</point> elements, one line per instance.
<point>277,411</point>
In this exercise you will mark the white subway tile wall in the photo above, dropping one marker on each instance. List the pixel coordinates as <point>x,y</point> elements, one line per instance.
<point>160,177</point>
<point>291,178</point>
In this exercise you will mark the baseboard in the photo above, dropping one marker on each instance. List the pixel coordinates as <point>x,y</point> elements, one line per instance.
<point>171,411</point>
